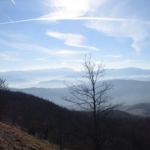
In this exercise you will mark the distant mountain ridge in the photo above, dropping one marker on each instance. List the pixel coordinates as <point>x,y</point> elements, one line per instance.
<point>127,71</point>
<point>32,77</point>
<point>121,72</point>
<point>38,78</point>
<point>128,91</point>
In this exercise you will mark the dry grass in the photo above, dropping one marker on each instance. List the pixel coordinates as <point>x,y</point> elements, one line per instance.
<point>136,112</point>
<point>12,138</point>
<point>16,147</point>
<point>2,145</point>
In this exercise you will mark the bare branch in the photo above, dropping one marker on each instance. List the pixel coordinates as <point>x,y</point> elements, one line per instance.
<point>91,95</point>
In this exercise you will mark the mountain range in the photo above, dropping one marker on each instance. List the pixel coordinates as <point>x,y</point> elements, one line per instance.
<point>53,78</point>
<point>124,91</point>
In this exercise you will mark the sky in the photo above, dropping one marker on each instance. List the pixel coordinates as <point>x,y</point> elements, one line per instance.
<point>59,33</point>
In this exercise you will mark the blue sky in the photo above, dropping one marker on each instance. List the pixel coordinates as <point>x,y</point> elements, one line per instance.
<point>59,33</point>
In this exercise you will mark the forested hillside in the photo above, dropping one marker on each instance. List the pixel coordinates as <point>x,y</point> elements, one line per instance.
<point>70,129</point>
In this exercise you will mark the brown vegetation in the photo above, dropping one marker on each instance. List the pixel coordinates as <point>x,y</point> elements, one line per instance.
<point>13,138</point>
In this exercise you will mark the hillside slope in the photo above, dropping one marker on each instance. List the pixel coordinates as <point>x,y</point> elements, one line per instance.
<point>68,129</point>
<point>141,109</point>
<point>13,138</point>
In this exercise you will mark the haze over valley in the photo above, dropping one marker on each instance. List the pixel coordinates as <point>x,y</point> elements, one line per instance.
<point>131,85</point>
<point>54,78</point>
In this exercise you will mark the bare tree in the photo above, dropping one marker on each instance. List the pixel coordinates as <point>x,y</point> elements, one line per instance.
<point>3,88</point>
<point>91,96</point>
<point>3,84</point>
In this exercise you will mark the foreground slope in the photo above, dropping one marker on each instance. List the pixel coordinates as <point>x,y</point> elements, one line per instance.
<point>13,138</point>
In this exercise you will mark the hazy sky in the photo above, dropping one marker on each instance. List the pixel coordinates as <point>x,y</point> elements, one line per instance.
<point>38,34</point>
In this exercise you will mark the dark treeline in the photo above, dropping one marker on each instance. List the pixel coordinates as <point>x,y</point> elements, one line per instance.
<point>71,129</point>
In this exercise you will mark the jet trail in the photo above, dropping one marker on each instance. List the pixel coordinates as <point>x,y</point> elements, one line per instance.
<point>13,2</point>
<point>78,18</point>
<point>9,19</point>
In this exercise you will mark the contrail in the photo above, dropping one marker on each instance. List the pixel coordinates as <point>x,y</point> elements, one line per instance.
<point>13,2</point>
<point>78,18</point>
<point>9,19</point>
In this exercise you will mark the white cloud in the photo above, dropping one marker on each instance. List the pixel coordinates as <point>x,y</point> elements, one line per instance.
<point>37,67</point>
<point>18,37</point>
<point>134,30</point>
<point>42,59</point>
<point>128,60</point>
<point>23,46</point>
<point>74,60</point>
<point>64,63</point>
<point>132,26</point>
<point>118,63</point>
<point>70,8</point>
<point>71,52</point>
<point>27,47</point>
<point>8,57</point>
<point>70,39</point>
<point>13,2</point>
<point>113,56</point>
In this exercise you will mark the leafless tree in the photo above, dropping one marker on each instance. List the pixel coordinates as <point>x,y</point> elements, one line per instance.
<point>3,88</point>
<point>3,84</point>
<point>91,96</point>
